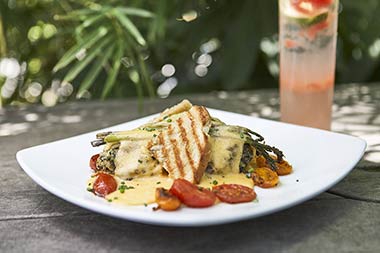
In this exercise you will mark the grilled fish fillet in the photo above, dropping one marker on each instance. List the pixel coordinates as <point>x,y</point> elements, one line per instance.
<point>183,148</point>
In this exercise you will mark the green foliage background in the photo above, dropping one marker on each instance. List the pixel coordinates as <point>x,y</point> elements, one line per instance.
<point>127,43</point>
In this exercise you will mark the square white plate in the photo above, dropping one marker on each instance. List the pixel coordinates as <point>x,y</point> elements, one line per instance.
<point>320,160</point>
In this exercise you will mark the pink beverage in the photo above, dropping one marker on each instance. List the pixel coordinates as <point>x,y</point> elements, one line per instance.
<point>308,31</point>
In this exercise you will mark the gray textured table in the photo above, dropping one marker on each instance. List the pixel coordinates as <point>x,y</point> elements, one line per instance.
<point>345,218</point>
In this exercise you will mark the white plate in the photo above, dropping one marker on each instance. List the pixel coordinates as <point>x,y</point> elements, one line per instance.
<point>320,160</point>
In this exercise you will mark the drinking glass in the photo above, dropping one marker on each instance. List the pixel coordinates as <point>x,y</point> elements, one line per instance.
<point>308,32</point>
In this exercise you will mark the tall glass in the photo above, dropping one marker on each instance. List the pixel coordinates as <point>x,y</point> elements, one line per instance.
<point>308,31</point>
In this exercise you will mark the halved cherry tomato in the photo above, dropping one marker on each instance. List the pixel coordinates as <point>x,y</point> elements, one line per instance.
<point>265,177</point>
<point>283,168</point>
<point>93,162</point>
<point>234,193</point>
<point>261,161</point>
<point>191,195</point>
<point>166,201</point>
<point>104,184</point>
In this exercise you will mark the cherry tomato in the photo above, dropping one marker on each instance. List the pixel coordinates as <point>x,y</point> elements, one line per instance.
<point>234,193</point>
<point>104,184</point>
<point>265,177</point>
<point>191,195</point>
<point>261,161</point>
<point>167,201</point>
<point>283,168</point>
<point>93,162</point>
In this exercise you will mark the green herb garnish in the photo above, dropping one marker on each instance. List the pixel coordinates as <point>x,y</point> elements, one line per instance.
<point>124,187</point>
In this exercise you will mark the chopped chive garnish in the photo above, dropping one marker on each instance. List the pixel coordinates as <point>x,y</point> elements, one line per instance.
<point>109,200</point>
<point>139,161</point>
<point>145,204</point>
<point>154,135</point>
<point>158,182</point>
<point>124,187</point>
<point>89,189</point>
<point>251,170</point>
<point>169,120</point>
<point>214,182</point>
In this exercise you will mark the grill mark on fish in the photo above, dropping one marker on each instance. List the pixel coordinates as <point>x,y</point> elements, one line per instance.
<point>164,151</point>
<point>187,143</point>
<point>194,132</point>
<point>176,151</point>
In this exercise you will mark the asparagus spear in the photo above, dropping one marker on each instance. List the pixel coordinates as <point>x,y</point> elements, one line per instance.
<point>136,134</point>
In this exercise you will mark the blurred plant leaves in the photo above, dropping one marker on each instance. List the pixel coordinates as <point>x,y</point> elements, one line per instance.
<point>359,28</point>
<point>93,73</point>
<point>128,25</point>
<point>136,12</point>
<point>93,40</point>
<point>114,71</point>
<point>85,44</point>
<point>154,33</point>
<point>81,64</point>
<point>241,46</point>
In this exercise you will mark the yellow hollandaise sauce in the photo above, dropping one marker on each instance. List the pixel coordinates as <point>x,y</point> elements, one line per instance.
<point>141,191</point>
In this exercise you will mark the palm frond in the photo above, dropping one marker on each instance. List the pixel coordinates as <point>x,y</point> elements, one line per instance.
<point>94,71</point>
<point>80,65</point>
<point>129,26</point>
<point>86,43</point>
<point>114,71</point>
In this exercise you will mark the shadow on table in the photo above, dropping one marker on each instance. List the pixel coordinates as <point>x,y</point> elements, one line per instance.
<point>273,232</point>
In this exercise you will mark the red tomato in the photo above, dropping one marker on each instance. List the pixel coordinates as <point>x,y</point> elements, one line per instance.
<point>297,4</point>
<point>234,193</point>
<point>104,184</point>
<point>93,161</point>
<point>191,195</point>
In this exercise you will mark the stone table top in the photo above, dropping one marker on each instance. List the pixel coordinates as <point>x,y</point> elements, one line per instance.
<point>345,218</point>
